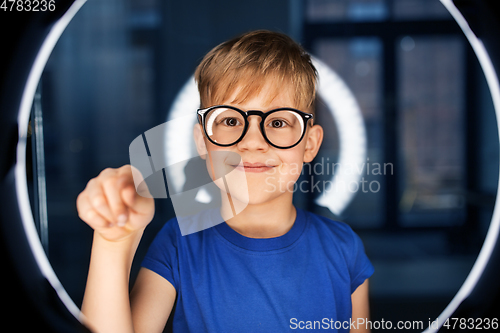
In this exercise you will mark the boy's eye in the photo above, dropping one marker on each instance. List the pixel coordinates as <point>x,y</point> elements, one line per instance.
<point>277,123</point>
<point>231,122</point>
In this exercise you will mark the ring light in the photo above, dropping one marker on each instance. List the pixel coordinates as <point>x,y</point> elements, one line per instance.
<point>20,169</point>
<point>184,101</point>
<point>352,138</point>
<point>344,109</point>
<point>492,235</point>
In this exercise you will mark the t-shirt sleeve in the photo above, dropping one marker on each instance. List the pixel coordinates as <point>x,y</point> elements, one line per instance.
<point>360,266</point>
<point>162,255</point>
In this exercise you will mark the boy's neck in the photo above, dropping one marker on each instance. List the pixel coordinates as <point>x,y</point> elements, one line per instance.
<point>266,220</point>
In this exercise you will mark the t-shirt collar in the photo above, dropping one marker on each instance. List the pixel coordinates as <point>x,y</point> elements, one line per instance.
<point>262,244</point>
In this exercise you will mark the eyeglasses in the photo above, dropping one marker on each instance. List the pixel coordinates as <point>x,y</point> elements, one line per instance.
<point>226,125</point>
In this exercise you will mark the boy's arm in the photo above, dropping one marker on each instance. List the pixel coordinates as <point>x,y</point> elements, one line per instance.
<point>111,206</point>
<point>152,299</point>
<point>106,302</point>
<point>106,305</point>
<point>361,308</point>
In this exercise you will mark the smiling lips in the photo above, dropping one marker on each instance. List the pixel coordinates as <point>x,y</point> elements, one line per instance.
<point>253,167</point>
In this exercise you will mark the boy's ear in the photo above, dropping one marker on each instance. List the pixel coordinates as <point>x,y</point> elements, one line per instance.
<point>314,138</point>
<point>199,141</point>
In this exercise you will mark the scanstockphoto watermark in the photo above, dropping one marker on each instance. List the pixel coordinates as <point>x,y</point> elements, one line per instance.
<point>364,323</point>
<point>359,323</point>
<point>323,168</point>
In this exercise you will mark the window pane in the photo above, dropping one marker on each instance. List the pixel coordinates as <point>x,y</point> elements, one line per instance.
<point>358,62</point>
<point>374,10</point>
<point>346,10</point>
<point>419,9</point>
<point>431,104</point>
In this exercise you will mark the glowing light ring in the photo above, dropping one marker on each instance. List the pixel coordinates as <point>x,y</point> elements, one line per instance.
<point>344,109</point>
<point>352,138</point>
<point>20,168</point>
<point>351,131</point>
<point>492,235</point>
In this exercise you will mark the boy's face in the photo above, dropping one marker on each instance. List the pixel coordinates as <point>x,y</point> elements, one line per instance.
<point>270,172</point>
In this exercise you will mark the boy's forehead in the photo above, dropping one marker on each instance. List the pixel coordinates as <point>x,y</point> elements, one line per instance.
<point>270,96</point>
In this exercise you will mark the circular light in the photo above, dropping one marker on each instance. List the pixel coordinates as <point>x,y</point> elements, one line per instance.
<point>187,101</point>
<point>352,138</point>
<point>20,168</point>
<point>492,235</point>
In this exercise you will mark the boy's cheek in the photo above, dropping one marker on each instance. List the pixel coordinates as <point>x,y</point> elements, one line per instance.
<point>281,179</point>
<point>289,170</point>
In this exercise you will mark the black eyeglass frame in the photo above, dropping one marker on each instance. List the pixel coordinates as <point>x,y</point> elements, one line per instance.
<point>263,115</point>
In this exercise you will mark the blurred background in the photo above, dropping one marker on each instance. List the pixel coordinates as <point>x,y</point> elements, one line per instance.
<point>427,110</point>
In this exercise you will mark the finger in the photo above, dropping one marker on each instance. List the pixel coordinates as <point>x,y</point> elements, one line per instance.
<point>98,222</point>
<point>98,200</point>
<point>129,196</point>
<point>112,187</point>
<point>137,203</point>
<point>139,182</point>
<point>87,213</point>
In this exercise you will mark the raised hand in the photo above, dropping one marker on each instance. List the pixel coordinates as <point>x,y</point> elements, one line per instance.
<point>110,205</point>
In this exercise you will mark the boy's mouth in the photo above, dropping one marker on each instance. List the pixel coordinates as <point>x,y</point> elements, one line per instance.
<point>253,167</point>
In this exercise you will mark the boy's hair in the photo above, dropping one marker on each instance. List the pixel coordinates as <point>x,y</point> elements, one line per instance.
<point>253,61</point>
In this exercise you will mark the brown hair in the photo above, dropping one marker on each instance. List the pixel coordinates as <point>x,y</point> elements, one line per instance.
<point>252,61</point>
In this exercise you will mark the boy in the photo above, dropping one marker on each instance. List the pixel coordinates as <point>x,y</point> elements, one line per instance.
<point>270,268</point>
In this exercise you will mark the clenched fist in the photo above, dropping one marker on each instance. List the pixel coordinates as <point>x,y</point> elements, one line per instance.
<point>110,205</point>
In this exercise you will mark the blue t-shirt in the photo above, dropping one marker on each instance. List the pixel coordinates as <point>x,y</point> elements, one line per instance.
<point>227,282</point>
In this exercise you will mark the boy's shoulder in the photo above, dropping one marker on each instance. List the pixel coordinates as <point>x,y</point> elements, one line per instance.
<point>327,227</point>
<point>327,221</point>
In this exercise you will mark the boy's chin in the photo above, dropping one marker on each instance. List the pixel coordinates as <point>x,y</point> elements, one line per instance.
<point>253,194</point>
<point>260,197</point>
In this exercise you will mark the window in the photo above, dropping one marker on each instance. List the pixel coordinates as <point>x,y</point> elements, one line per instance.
<point>408,74</point>
<point>431,102</point>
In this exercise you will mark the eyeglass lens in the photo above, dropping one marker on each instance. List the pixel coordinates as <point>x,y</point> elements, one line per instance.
<point>282,128</point>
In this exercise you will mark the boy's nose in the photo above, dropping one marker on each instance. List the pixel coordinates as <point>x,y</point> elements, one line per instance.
<point>253,139</point>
